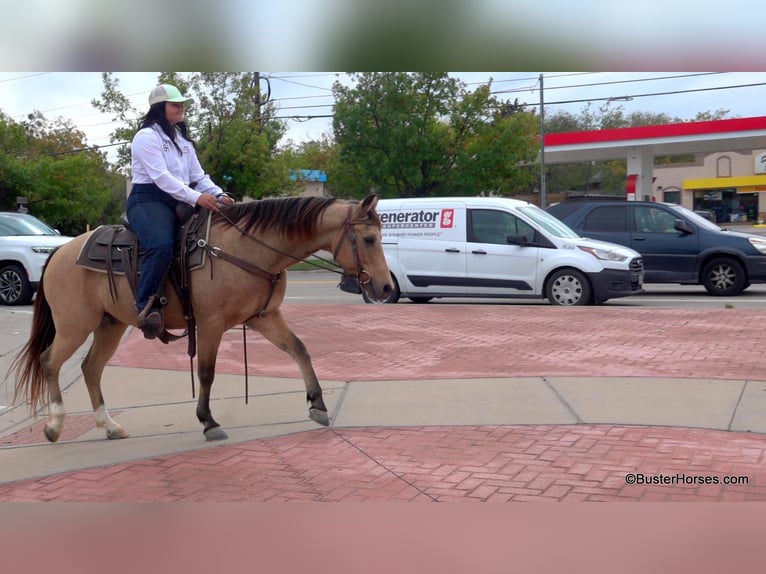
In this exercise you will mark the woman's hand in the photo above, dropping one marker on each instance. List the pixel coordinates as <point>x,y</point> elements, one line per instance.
<point>208,201</point>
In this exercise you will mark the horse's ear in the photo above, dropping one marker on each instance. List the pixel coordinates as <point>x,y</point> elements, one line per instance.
<point>368,204</point>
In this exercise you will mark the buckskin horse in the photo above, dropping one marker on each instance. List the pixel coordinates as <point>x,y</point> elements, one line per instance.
<point>250,246</point>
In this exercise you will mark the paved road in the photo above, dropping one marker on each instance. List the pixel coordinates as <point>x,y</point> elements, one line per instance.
<point>428,402</point>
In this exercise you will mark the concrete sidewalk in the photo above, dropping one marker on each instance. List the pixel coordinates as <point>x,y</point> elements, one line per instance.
<point>427,403</point>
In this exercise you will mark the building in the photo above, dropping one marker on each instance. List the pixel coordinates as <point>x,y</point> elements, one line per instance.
<point>727,177</point>
<point>313,180</point>
<point>730,184</point>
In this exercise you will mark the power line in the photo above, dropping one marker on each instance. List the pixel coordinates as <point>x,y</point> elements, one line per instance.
<point>613,82</point>
<point>672,93</point>
<point>23,77</point>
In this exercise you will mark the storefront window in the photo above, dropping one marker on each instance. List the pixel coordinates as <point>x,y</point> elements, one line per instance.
<point>727,204</point>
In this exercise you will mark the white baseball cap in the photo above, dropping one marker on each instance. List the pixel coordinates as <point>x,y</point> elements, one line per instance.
<point>168,93</point>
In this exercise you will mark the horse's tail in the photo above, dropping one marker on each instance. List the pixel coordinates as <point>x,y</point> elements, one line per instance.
<point>30,376</point>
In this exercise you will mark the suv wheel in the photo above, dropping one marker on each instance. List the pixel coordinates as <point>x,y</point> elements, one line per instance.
<point>14,286</point>
<point>724,277</point>
<point>568,287</point>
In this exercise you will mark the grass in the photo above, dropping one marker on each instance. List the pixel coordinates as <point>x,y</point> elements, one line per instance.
<point>315,266</point>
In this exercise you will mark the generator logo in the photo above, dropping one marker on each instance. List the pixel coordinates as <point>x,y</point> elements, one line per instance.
<point>420,219</point>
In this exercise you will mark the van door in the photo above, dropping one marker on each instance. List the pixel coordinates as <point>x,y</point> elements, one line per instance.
<point>431,247</point>
<point>493,265</point>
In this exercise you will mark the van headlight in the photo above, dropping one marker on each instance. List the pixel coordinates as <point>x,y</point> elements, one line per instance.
<point>604,254</point>
<point>759,243</point>
<point>41,249</point>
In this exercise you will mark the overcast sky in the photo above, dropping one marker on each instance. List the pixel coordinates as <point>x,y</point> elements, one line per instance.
<point>300,95</point>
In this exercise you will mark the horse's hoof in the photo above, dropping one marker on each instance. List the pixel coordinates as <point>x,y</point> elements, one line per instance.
<point>215,433</point>
<point>50,434</point>
<point>117,433</point>
<point>319,417</point>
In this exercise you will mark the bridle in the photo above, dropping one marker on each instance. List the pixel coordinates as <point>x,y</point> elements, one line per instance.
<point>348,230</point>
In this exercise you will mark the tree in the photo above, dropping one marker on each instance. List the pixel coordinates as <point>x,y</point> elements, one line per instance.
<point>420,134</point>
<point>13,177</point>
<point>68,184</point>
<point>238,133</point>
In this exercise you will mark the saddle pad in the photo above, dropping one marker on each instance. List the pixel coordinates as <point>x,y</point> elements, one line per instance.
<point>103,248</point>
<point>102,251</point>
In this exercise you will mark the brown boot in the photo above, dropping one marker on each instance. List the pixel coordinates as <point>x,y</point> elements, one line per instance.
<point>150,320</point>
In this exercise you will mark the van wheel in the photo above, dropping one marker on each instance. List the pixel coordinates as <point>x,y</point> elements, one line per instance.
<point>420,299</point>
<point>14,286</point>
<point>392,298</point>
<point>724,277</point>
<point>568,287</point>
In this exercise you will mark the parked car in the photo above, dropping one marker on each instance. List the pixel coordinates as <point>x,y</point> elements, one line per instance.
<point>677,245</point>
<point>498,247</point>
<point>25,244</point>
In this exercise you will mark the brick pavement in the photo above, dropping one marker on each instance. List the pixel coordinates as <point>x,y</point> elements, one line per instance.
<point>465,463</point>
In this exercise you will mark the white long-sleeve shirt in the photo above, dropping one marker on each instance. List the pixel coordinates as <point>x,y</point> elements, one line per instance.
<point>154,159</point>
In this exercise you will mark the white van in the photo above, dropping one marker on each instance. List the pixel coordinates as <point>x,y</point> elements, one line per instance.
<point>498,247</point>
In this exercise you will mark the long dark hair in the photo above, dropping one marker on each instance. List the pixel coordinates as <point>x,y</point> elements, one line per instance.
<point>156,115</point>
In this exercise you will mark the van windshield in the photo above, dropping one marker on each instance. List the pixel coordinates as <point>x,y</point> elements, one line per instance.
<point>545,220</point>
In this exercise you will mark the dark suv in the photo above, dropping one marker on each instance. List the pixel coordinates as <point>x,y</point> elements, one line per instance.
<point>677,245</point>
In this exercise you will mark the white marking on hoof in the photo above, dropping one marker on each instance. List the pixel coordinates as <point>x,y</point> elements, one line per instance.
<point>104,421</point>
<point>55,423</point>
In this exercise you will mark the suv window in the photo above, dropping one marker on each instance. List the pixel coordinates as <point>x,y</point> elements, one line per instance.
<point>654,220</point>
<point>608,218</point>
<point>21,224</point>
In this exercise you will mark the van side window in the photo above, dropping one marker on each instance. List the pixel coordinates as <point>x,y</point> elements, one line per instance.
<point>492,226</point>
<point>607,218</point>
<point>654,220</point>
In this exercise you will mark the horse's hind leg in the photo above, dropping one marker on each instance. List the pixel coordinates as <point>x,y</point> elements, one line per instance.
<point>274,327</point>
<point>52,359</point>
<point>106,339</point>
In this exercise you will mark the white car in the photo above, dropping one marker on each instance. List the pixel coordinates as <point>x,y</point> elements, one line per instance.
<point>25,244</point>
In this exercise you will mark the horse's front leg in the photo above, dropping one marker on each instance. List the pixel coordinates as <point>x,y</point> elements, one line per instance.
<point>274,327</point>
<point>208,350</point>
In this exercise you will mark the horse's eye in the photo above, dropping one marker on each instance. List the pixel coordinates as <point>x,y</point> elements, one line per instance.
<point>369,239</point>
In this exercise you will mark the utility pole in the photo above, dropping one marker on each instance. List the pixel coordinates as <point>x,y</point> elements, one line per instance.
<point>542,145</point>
<point>257,98</point>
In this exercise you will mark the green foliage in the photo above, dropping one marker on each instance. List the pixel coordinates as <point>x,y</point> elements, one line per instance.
<point>238,134</point>
<point>421,134</point>
<point>66,183</point>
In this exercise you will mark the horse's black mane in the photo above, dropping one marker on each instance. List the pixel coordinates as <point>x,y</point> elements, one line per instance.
<point>294,216</point>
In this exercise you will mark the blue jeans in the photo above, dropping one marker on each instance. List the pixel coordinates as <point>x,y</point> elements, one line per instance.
<point>151,213</point>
